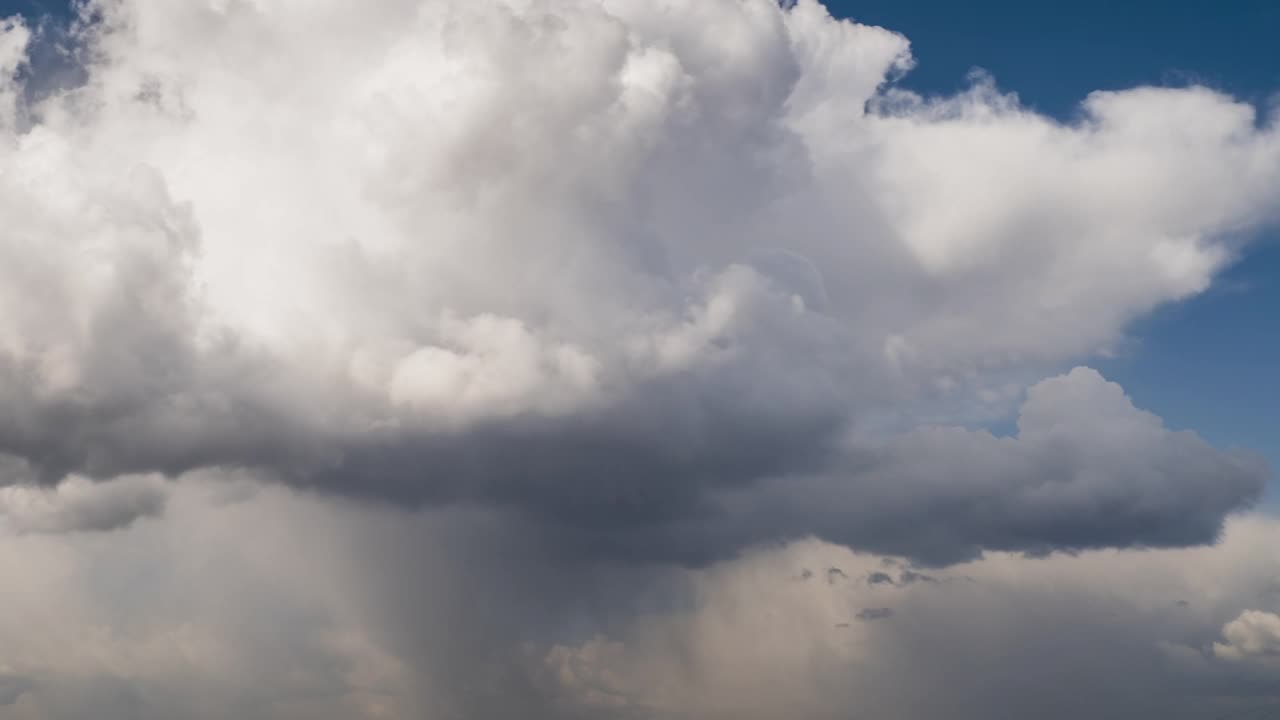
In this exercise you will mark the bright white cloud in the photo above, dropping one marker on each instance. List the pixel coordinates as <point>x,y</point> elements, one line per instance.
<point>1255,635</point>
<point>375,248</point>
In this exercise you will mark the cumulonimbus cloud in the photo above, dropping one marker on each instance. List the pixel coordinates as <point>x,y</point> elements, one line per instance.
<point>671,291</point>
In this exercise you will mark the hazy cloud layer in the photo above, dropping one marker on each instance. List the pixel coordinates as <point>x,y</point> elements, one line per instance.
<point>1135,634</point>
<point>267,604</point>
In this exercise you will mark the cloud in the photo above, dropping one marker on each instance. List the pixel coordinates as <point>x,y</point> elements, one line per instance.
<point>882,613</point>
<point>1086,470</point>
<point>12,687</point>
<point>581,261</point>
<point>78,504</point>
<point>1255,635</point>
<point>210,610</point>
<point>568,360</point>
<point>1068,636</point>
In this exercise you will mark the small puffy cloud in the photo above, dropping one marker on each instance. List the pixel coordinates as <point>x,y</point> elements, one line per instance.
<point>1253,636</point>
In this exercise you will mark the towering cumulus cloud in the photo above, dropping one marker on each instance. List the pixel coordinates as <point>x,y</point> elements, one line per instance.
<point>591,262</point>
<point>629,284</point>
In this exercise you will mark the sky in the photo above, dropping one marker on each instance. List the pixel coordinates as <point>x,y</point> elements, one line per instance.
<point>637,360</point>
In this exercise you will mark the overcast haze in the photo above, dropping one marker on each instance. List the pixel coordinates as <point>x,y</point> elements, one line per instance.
<point>595,359</point>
